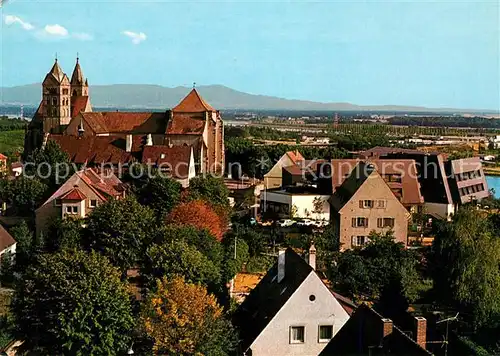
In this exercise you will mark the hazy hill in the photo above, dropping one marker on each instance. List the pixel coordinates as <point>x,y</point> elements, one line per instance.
<point>219,96</point>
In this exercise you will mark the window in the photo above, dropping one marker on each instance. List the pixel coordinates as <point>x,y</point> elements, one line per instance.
<point>93,203</point>
<point>54,101</point>
<point>325,333</point>
<point>68,209</point>
<point>385,222</point>
<point>75,210</point>
<point>366,204</point>
<point>359,240</point>
<point>65,91</point>
<point>360,222</point>
<point>381,204</point>
<point>297,334</point>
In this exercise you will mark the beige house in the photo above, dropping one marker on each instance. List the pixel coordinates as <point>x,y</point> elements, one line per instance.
<point>273,178</point>
<point>78,196</point>
<point>365,203</point>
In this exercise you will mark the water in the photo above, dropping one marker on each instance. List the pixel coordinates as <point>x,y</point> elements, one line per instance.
<point>494,182</point>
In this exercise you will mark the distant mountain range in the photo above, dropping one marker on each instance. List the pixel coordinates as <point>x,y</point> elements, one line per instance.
<point>219,96</point>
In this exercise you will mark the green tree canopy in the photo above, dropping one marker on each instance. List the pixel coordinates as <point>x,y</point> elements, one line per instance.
<point>73,303</point>
<point>25,244</point>
<point>161,194</point>
<point>64,233</point>
<point>210,189</point>
<point>23,194</point>
<point>121,230</point>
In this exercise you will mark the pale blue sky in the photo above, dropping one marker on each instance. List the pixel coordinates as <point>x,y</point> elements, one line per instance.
<point>436,54</point>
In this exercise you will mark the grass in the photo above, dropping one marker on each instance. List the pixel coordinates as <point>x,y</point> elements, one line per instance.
<point>11,141</point>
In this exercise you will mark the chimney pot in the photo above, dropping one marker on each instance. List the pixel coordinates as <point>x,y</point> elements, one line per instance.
<point>311,256</point>
<point>281,265</point>
<point>128,143</point>
<point>386,327</point>
<point>421,331</point>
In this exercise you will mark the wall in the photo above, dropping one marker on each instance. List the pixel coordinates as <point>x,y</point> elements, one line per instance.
<point>440,211</point>
<point>374,188</point>
<point>272,179</point>
<point>300,311</point>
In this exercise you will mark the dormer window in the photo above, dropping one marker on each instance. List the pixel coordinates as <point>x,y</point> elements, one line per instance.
<point>93,203</point>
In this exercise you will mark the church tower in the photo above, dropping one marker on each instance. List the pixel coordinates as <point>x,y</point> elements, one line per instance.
<point>56,100</point>
<point>79,85</point>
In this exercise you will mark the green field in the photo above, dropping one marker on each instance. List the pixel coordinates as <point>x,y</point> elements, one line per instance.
<point>11,141</point>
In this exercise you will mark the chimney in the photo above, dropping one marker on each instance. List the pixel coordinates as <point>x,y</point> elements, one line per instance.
<point>149,140</point>
<point>311,257</point>
<point>281,265</point>
<point>421,331</point>
<point>386,327</point>
<point>128,143</point>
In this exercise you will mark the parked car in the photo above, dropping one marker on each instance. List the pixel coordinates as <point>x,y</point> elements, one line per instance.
<point>321,223</point>
<point>285,222</point>
<point>305,222</point>
<point>266,223</point>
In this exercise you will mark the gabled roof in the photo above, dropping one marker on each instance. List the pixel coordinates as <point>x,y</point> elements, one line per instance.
<point>269,296</point>
<point>78,103</point>
<point>6,239</point>
<point>55,73</point>
<point>186,124</point>
<point>295,156</point>
<point>126,122</point>
<point>407,190</point>
<point>77,76</point>
<point>363,331</point>
<point>74,194</point>
<point>176,158</point>
<point>351,184</point>
<point>193,102</point>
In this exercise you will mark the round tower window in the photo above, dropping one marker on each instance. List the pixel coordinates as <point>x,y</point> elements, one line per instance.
<point>312,297</point>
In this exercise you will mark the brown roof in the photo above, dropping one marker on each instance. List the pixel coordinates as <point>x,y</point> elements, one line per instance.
<point>98,149</point>
<point>126,122</point>
<point>77,76</point>
<point>2,156</point>
<point>74,194</point>
<point>176,158</point>
<point>6,239</point>
<point>407,190</point>
<point>186,124</point>
<point>193,102</point>
<point>104,182</point>
<point>295,156</point>
<point>78,103</point>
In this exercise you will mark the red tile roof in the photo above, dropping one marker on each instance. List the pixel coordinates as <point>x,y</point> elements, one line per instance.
<point>126,122</point>
<point>98,149</point>
<point>73,194</point>
<point>176,158</point>
<point>407,190</point>
<point>295,156</point>
<point>102,182</point>
<point>78,103</point>
<point>2,156</point>
<point>193,102</point>
<point>6,239</point>
<point>186,124</point>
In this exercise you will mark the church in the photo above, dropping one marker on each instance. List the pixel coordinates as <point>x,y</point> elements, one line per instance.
<point>190,133</point>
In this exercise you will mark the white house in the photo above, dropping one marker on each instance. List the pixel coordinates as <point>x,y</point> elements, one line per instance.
<point>291,311</point>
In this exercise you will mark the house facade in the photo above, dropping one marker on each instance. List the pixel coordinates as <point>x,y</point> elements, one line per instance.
<point>365,203</point>
<point>273,178</point>
<point>291,311</point>
<point>78,196</point>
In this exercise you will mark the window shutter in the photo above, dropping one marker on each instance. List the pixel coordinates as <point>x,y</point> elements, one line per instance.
<point>353,240</point>
<point>366,222</point>
<point>380,222</point>
<point>353,222</point>
<point>361,204</point>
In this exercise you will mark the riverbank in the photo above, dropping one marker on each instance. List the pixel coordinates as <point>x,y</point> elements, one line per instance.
<point>491,171</point>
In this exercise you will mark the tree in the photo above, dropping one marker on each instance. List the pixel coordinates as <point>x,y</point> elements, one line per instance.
<point>466,256</point>
<point>120,230</point>
<point>161,194</point>
<point>177,258</point>
<point>24,194</point>
<point>7,269</point>
<point>25,243</point>
<point>234,261</point>
<point>73,303</point>
<point>64,233</point>
<point>183,319</point>
<point>198,214</point>
<point>210,189</point>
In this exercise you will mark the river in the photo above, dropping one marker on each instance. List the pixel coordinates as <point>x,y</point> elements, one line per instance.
<point>494,182</point>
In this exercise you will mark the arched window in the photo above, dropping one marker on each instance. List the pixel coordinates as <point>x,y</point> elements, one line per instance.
<point>74,92</point>
<point>54,100</point>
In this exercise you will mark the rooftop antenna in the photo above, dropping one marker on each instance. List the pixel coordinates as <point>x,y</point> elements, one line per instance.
<point>22,111</point>
<point>447,321</point>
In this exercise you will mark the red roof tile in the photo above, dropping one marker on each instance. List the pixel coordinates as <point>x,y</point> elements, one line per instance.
<point>186,124</point>
<point>74,194</point>
<point>176,158</point>
<point>295,156</point>
<point>6,239</point>
<point>126,122</point>
<point>193,102</point>
<point>2,156</point>
<point>78,103</point>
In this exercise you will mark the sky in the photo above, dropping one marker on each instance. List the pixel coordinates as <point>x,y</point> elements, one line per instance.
<point>425,53</point>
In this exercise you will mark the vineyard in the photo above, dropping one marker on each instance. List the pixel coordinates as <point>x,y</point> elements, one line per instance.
<point>11,142</point>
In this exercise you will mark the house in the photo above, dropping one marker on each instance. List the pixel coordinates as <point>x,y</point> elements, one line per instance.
<point>3,163</point>
<point>290,311</point>
<point>300,201</point>
<point>400,175</point>
<point>7,242</point>
<point>78,196</point>
<point>367,333</point>
<point>16,168</point>
<point>466,180</point>
<point>365,203</point>
<point>273,178</point>
<point>65,110</point>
